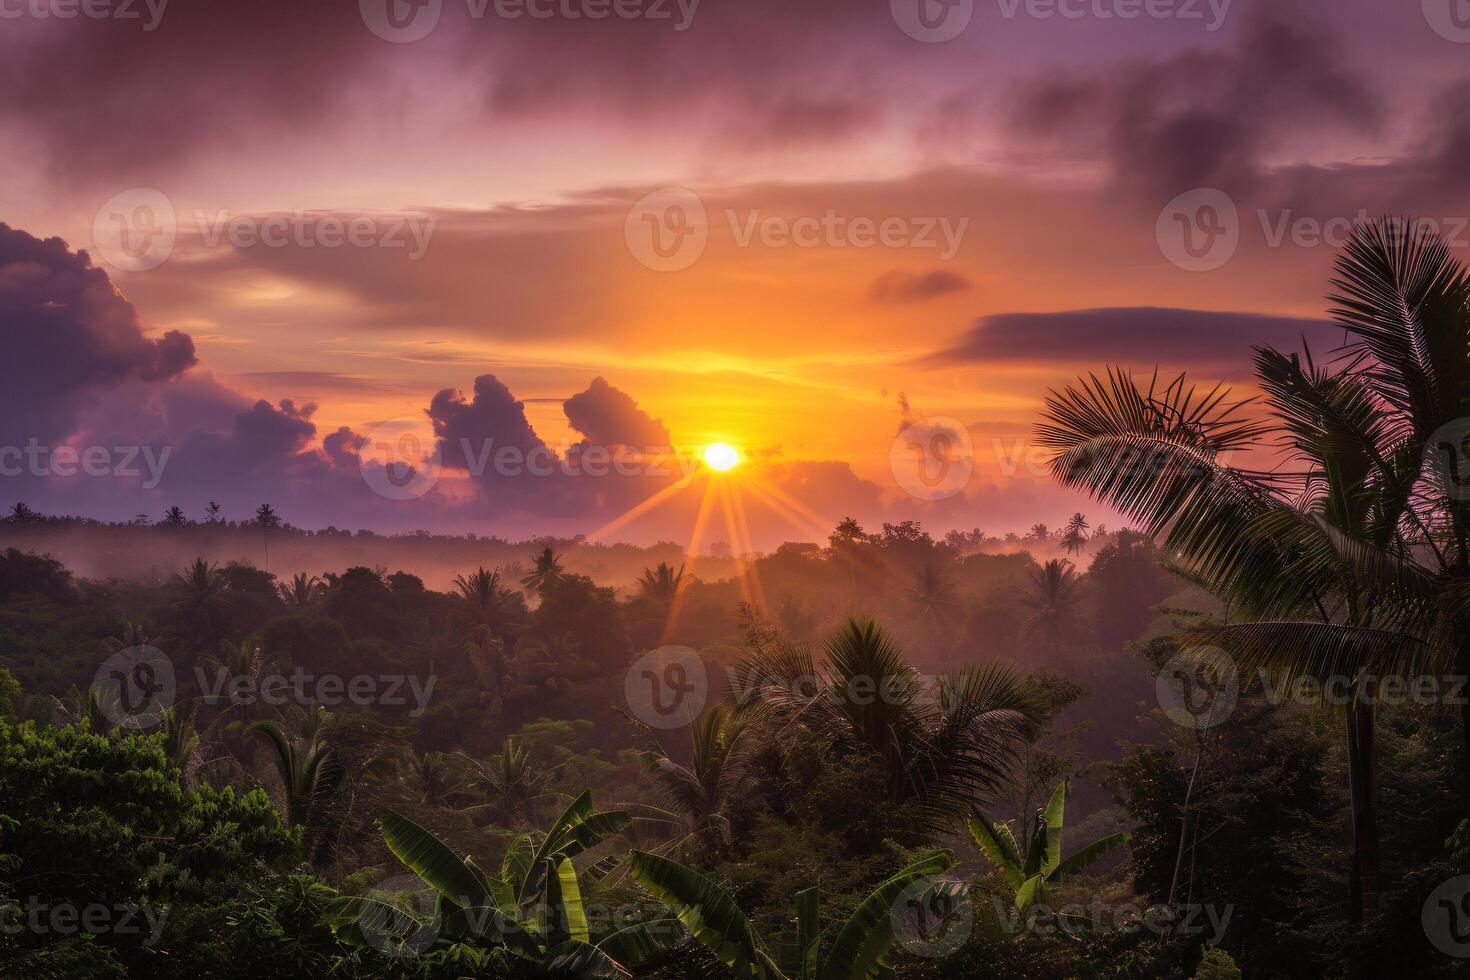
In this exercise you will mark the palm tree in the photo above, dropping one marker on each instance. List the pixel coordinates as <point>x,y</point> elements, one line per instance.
<point>1054,604</point>
<point>941,747</point>
<point>266,517</point>
<point>174,517</point>
<point>933,598</point>
<point>1028,872</point>
<point>201,597</point>
<point>1354,563</point>
<point>660,584</point>
<point>1074,535</point>
<point>490,600</point>
<point>21,514</point>
<point>83,709</point>
<point>180,737</point>
<point>301,592</point>
<point>211,512</point>
<point>309,773</point>
<point>859,950</point>
<point>701,790</point>
<point>546,569</point>
<point>510,782</point>
<point>436,778</point>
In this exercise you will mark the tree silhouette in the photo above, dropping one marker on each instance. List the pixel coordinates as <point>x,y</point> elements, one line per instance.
<point>547,567</point>
<point>661,584</point>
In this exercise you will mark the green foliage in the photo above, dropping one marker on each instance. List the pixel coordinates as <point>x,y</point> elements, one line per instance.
<point>860,949</point>
<point>94,820</point>
<point>530,921</point>
<point>1216,964</point>
<point>10,693</point>
<point>1028,871</point>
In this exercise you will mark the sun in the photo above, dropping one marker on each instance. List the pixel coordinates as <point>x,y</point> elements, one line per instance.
<point>721,456</point>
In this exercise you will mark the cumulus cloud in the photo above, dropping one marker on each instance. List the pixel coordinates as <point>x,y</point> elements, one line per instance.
<point>69,336</point>
<point>492,420</point>
<point>606,416</point>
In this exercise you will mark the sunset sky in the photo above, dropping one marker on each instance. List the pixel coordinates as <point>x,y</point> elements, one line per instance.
<point>1047,148</point>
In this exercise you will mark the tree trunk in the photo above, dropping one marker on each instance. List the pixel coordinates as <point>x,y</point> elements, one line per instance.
<point>1462,670</point>
<point>1363,792</point>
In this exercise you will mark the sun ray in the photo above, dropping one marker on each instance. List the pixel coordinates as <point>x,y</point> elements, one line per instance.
<point>636,511</point>
<point>747,545</point>
<point>818,521</point>
<point>696,536</point>
<point>796,520</point>
<point>738,547</point>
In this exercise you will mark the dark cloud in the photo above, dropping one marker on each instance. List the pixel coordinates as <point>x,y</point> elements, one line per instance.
<point>1205,119</point>
<point>206,75</point>
<point>491,421</point>
<point>1132,335</point>
<point>210,75</point>
<point>344,447</point>
<point>69,337</point>
<point>907,286</point>
<point>606,416</point>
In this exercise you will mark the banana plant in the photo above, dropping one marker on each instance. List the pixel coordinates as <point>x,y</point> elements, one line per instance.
<point>532,913</point>
<point>1028,874</point>
<point>859,951</point>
